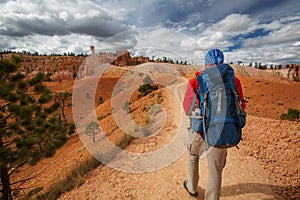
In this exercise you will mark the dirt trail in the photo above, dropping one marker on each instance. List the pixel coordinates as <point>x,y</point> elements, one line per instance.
<point>243,177</point>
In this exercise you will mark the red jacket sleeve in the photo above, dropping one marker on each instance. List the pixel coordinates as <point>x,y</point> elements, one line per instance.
<point>189,96</point>
<point>240,91</point>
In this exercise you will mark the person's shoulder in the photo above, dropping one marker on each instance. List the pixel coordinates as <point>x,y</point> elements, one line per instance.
<point>197,73</point>
<point>192,81</point>
<point>236,79</point>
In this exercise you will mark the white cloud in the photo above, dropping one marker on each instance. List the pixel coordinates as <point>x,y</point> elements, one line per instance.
<point>295,17</point>
<point>274,25</point>
<point>268,54</point>
<point>64,15</point>
<point>218,35</point>
<point>140,20</point>
<point>216,39</point>
<point>59,44</point>
<point>189,43</point>
<point>59,17</point>
<point>296,44</point>
<point>119,14</point>
<point>24,6</point>
<point>285,33</point>
<point>161,42</point>
<point>280,45</point>
<point>233,24</point>
<point>23,10</point>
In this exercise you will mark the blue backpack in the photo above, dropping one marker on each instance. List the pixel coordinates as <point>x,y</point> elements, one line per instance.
<point>221,115</point>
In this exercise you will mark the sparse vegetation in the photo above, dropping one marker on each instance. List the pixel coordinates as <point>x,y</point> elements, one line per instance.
<point>73,180</point>
<point>292,115</point>
<point>92,129</point>
<point>158,99</point>
<point>61,98</point>
<point>126,106</point>
<point>31,193</point>
<point>147,87</point>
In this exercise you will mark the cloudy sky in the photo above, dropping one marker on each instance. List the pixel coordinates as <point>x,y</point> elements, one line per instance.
<point>266,31</point>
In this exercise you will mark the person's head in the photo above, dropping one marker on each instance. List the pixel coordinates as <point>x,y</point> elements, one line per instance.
<point>214,57</point>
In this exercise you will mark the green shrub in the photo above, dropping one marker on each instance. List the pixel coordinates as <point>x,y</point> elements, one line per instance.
<point>147,88</point>
<point>126,106</point>
<point>32,192</point>
<point>292,115</point>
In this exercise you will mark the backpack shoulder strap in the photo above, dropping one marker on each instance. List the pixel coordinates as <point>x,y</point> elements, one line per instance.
<point>237,101</point>
<point>193,104</point>
<point>201,88</point>
<point>203,102</point>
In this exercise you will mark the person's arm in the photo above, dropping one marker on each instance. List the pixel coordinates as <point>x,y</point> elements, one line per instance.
<point>240,91</point>
<point>189,96</point>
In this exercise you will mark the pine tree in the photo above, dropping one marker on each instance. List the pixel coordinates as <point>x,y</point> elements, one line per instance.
<point>62,98</point>
<point>92,129</point>
<point>29,127</point>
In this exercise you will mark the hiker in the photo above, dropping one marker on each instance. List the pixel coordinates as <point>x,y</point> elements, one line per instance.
<point>216,156</point>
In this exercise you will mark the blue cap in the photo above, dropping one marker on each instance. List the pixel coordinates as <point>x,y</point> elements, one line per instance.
<point>214,56</point>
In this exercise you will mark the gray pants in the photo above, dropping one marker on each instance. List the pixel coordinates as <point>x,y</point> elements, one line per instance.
<point>216,158</point>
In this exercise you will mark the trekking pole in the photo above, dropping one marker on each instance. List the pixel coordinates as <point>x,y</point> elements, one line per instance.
<point>203,121</point>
